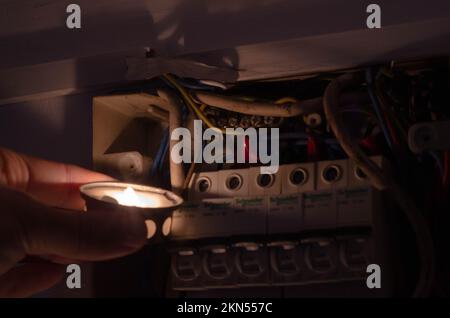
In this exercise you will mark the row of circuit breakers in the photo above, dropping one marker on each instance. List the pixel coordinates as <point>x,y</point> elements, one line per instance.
<point>241,228</point>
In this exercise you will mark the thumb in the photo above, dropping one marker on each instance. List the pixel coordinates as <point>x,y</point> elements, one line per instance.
<point>85,236</point>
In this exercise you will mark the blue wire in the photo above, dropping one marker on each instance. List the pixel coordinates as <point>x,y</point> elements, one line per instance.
<point>159,154</point>
<point>376,107</point>
<point>166,149</point>
<point>164,146</point>
<point>158,163</point>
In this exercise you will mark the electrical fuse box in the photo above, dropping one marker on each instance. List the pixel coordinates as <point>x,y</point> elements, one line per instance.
<point>355,254</point>
<point>319,209</point>
<point>251,264</point>
<point>234,183</point>
<point>321,258</point>
<point>204,185</point>
<point>286,261</point>
<point>250,215</point>
<point>297,178</point>
<point>209,218</point>
<point>186,269</point>
<point>219,267</point>
<point>285,214</point>
<point>264,184</point>
<point>332,174</point>
<point>356,205</point>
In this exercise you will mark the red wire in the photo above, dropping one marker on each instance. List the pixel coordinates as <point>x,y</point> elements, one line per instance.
<point>370,144</point>
<point>312,148</point>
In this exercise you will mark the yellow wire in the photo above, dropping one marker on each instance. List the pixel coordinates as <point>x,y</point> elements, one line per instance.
<point>199,111</point>
<point>286,100</point>
<point>192,104</point>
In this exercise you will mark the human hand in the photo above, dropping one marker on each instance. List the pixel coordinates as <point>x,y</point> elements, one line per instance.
<point>33,194</point>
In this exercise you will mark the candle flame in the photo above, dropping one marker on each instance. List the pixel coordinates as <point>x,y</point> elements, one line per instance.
<point>129,197</point>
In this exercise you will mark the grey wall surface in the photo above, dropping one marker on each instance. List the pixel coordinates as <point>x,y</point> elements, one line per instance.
<point>40,57</point>
<point>34,31</point>
<point>57,128</point>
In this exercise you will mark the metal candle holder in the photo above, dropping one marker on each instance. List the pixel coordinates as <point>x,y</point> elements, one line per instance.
<point>157,213</point>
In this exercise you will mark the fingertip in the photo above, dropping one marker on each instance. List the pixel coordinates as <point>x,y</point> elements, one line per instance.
<point>138,230</point>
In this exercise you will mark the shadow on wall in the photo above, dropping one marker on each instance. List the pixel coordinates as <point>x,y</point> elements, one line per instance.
<point>58,129</point>
<point>183,26</point>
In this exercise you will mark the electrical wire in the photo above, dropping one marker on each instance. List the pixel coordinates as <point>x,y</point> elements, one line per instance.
<point>189,176</point>
<point>381,180</point>
<point>198,110</point>
<point>214,84</point>
<point>259,108</point>
<point>286,100</point>
<point>160,153</point>
<point>391,117</point>
<point>191,84</point>
<point>171,103</point>
<point>376,107</point>
<point>312,149</point>
<point>164,155</point>
<point>392,132</point>
<point>190,102</point>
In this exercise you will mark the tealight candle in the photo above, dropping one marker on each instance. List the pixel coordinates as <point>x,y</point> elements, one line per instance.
<point>129,197</point>
<point>155,204</point>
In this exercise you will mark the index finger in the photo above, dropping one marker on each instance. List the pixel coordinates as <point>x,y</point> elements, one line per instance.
<point>55,184</point>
